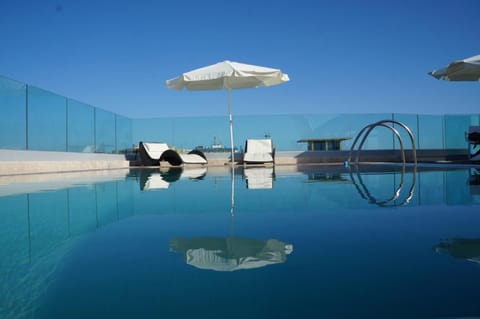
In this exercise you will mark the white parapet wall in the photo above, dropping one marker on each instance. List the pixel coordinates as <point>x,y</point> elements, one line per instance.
<point>16,162</point>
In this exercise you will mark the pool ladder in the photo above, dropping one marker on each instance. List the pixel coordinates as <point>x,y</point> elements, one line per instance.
<point>368,129</point>
<point>362,189</point>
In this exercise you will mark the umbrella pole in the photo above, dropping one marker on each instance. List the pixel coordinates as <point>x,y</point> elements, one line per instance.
<point>230,121</point>
<point>232,152</point>
<point>232,204</point>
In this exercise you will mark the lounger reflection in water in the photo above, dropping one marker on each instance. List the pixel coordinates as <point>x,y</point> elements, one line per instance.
<point>154,179</point>
<point>152,154</point>
<point>474,181</point>
<point>462,248</point>
<point>231,253</point>
<point>259,177</point>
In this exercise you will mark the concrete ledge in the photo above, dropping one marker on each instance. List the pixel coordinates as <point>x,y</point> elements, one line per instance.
<point>25,167</point>
<point>36,156</point>
<point>14,162</point>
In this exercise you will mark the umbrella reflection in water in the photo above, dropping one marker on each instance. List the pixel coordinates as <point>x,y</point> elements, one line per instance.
<point>462,248</point>
<point>231,253</point>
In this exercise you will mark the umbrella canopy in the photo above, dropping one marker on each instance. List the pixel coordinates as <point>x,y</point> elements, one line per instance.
<point>228,75</point>
<point>462,70</point>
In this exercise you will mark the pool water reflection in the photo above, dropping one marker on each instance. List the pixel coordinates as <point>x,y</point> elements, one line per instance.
<point>314,242</point>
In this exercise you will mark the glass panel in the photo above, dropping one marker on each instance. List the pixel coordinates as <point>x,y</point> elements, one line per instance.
<point>351,124</point>
<point>46,121</point>
<point>284,130</point>
<point>13,119</point>
<point>153,130</point>
<point>123,134</point>
<point>456,127</point>
<point>191,132</point>
<point>80,125</point>
<point>411,121</point>
<point>104,131</point>
<point>333,125</point>
<point>431,135</point>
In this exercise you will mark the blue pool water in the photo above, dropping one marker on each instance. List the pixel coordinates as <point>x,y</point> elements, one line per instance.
<point>287,242</point>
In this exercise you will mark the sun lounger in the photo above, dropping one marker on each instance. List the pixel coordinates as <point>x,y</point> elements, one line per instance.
<point>473,138</point>
<point>151,154</point>
<point>258,151</point>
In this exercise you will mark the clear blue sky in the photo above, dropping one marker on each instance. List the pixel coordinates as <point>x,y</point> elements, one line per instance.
<point>341,56</point>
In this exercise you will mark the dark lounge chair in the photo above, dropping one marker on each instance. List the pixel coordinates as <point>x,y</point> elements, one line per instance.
<point>151,154</point>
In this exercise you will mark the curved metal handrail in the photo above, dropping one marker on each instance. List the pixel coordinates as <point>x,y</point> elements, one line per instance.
<point>368,129</point>
<point>364,192</point>
<point>402,152</point>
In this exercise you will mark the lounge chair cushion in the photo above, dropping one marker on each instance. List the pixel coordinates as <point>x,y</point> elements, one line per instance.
<point>258,158</point>
<point>155,150</point>
<point>258,151</point>
<point>193,159</point>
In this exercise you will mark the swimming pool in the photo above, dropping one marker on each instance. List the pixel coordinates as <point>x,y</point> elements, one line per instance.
<point>281,242</point>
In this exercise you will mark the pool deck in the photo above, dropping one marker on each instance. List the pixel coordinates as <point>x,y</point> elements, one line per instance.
<point>339,157</point>
<point>16,162</point>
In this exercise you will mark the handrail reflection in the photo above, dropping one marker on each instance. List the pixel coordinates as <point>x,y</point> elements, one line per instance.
<point>366,194</point>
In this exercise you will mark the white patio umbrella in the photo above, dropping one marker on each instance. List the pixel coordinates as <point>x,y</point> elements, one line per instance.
<point>228,75</point>
<point>462,70</point>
